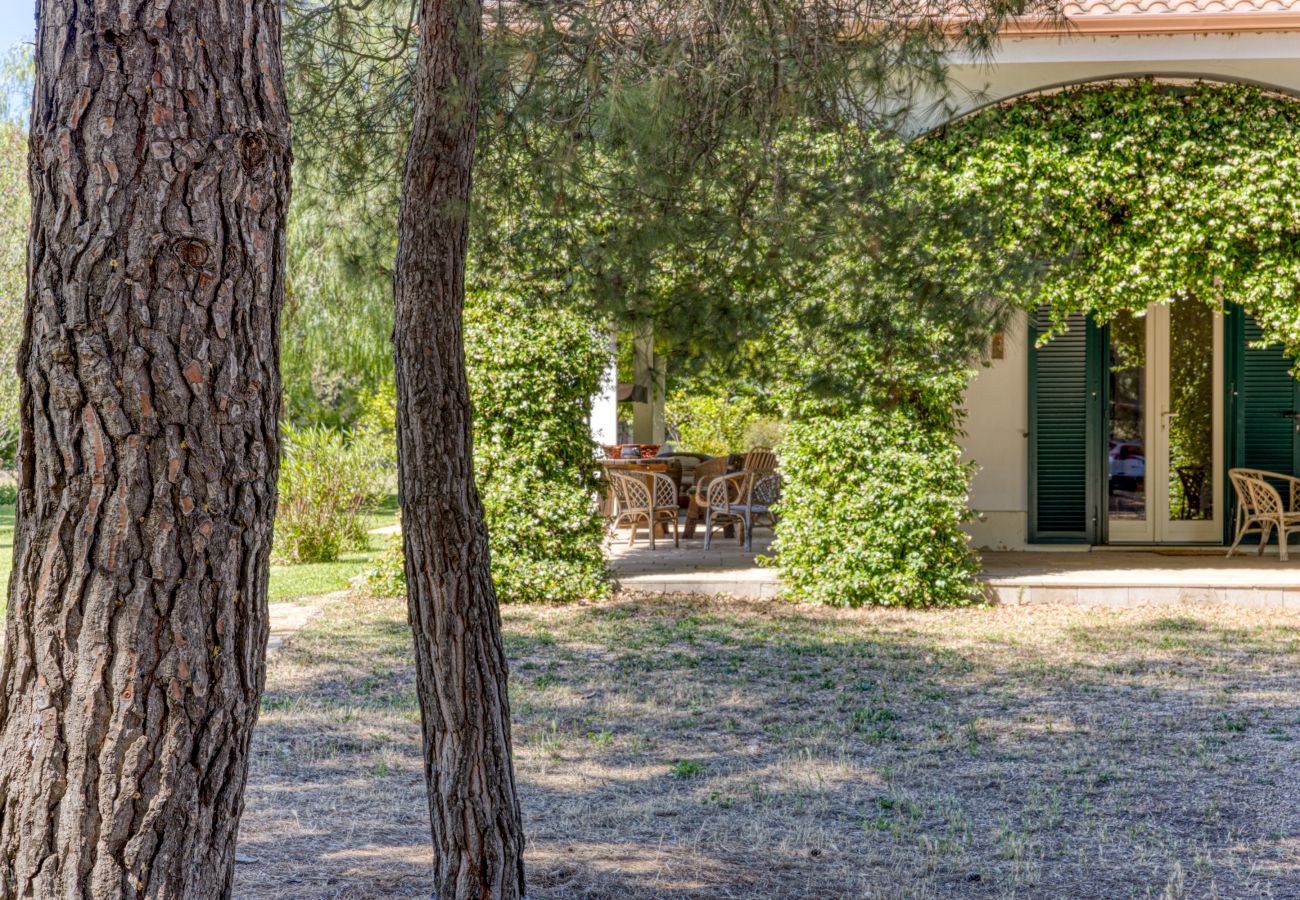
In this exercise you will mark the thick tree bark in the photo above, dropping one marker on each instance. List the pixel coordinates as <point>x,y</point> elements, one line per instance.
<point>136,639</point>
<point>460,661</point>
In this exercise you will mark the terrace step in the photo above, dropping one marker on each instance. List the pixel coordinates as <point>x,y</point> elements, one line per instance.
<point>1106,577</point>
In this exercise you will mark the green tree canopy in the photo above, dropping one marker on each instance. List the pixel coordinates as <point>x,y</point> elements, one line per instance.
<point>686,164</point>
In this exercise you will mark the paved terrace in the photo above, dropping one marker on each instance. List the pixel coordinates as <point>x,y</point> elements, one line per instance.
<point>725,568</point>
<point>1167,576</point>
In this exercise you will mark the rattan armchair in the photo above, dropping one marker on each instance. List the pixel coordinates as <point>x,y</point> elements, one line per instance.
<point>705,473</point>
<point>742,498</point>
<point>645,496</point>
<point>1260,509</point>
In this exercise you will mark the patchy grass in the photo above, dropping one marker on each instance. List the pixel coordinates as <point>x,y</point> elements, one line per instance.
<point>706,748</point>
<point>294,583</point>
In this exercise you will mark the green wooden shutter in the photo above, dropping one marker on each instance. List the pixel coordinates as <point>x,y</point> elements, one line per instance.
<point>1267,400</point>
<point>1064,427</point>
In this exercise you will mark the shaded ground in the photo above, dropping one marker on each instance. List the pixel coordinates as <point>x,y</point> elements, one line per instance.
<point>704,748</point>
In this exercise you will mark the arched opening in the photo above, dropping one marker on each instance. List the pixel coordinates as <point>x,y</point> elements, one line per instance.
<point>971,103</point>
<point>1161,356</point>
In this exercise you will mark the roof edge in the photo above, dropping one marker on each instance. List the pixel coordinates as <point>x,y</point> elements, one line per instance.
<point>1153,24</point>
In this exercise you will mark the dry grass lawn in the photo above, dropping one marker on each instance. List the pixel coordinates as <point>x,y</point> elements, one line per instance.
<point>673,748</point>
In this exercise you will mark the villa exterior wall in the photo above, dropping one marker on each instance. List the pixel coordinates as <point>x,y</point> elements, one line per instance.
<point>997,401</point>
<point>1022,65</point>
<point>997,441</point>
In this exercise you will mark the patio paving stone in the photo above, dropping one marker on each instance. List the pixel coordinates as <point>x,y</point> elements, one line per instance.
<point>1116,578</point>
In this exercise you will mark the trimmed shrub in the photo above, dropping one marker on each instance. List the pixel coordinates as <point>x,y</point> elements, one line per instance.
<point>871,513</point>
<point>532,373</point>
<point>326,485</point>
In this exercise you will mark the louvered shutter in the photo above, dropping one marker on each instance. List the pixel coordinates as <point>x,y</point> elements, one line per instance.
<point>1268,399</point>
<point>1064,423</point>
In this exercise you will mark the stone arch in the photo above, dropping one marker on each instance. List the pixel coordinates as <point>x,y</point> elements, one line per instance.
<point>980,104</point>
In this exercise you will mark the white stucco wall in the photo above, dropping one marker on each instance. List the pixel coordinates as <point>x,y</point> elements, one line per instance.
<point>996,439</point>
<point>1029,64</point>
<point>604,406</point>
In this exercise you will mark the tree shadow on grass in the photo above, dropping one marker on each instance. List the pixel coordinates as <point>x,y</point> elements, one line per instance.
<point>707,748</point>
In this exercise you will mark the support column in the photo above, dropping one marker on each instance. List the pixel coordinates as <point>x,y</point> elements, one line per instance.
<point>648,377</point>
<point>604,406</point>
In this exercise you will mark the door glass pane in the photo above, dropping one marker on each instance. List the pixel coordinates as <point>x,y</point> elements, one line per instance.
<point>1191,411</point>
<point>1126,453</point>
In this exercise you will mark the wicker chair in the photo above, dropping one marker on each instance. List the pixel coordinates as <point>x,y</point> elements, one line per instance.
<point>1260,508</point>
<point>705,472</point>
<point>648,496</point>
<point>760,459</point>
<point>742,498</point>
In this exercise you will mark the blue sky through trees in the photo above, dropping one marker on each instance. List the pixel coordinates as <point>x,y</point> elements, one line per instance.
<point>17,22</point>
<point>17,26</point>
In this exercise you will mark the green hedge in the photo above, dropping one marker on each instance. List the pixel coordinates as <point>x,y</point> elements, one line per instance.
<point>872,511</point>
<point>533,371</point>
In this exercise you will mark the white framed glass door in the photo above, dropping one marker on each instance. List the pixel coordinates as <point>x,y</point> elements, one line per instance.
<point>1165,425</point>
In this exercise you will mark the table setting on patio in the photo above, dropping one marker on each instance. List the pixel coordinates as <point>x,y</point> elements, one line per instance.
<point>649,487</point>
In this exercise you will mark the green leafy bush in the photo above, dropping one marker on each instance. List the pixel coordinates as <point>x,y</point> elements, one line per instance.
<point>532,372</point>
<point>716,424</point>
<point>14,212</point>
<point>376,425</point>
<point>1183,191</point>
<point>326,485</point>
<point>388,577</point>
<point>719,423</point>
<point>872,513</point>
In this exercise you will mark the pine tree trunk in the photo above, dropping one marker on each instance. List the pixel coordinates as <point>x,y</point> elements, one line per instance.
<point>136,637</point>
<point>460,661</point>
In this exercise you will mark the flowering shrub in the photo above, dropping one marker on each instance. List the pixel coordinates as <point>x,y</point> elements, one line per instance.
<point>872,511</point>
<point>532,375</point>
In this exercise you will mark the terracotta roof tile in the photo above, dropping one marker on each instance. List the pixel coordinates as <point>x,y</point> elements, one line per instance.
<point>1081,8</point>
<point>1162,17</point>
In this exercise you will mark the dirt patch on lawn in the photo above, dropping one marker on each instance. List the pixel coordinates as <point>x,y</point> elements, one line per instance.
<point>696,747</point>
